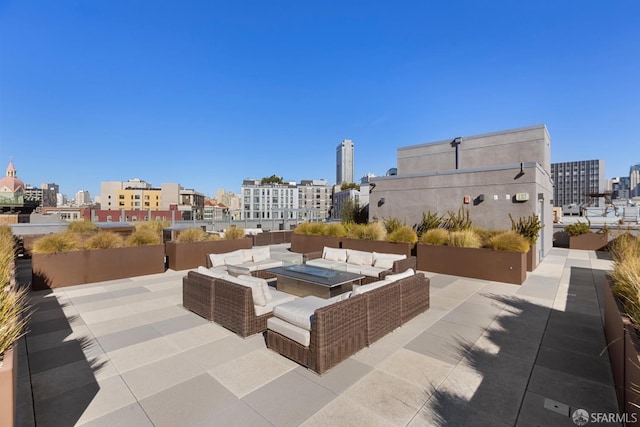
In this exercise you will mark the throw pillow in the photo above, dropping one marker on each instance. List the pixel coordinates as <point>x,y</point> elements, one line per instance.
<point>261,254</point>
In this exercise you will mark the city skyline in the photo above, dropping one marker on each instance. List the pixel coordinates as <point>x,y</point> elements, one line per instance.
<point>209,95</point>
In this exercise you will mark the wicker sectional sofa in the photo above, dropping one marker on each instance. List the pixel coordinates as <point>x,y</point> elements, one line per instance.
<point>241,304</point>
<point>319,334</point>
<point>372,265</point>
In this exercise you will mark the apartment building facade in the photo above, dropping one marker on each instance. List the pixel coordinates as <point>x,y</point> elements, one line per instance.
<point>574,181</point>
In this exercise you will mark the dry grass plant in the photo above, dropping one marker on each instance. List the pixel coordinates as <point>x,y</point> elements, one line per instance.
<point>372,231</point>
<point>334,229</point>
<point>435,236</point>
<point>233,233</point>
<point>143,237</point>
<point>193,235</point>
<point>14,315</point>
<point>392,224</point>
<point>626,274</point>
<point>404,234</point>
<point>155,226</point>
<point>57,243</point>
<point>509,241</point>
<point>104,240</point>
<point>82,227</point>
<point>464,239</point>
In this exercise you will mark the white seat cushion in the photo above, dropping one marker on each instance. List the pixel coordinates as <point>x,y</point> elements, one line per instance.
<point>268,263</point>
<point>407,273</point>
<point>386,260</point>
<point>278,298</point>
<point>293,332</point>
<point>218,272</point>
<point>300,312</point>
<point>359,257</point>
<point>334,254</point>
<point>357,290</point>
<point>371,271</point>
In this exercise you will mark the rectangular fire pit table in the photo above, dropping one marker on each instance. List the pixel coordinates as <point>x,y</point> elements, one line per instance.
<point>303,280</point>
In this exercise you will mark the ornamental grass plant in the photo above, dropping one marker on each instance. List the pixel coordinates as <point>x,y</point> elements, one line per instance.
<point>626,275</point>
<point>464,239</point>
<point>435,236</point>
<point>57,243</point>
<point>104,240</point>
<point>404,234</point>
<point>14,307</point>
<point>233,233</point>
<point>509,241</point>
<point>195,235</point>
<point>82,227</point>
<point>143,237</point>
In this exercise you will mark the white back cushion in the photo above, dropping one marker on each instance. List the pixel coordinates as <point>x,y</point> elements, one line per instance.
<point>386,260</point>
<point>261,253</point>
<point>359,257</point>
<point>357,290</point>
<point>217,260</point>
<point>213,272</point>
<point>334,254</point>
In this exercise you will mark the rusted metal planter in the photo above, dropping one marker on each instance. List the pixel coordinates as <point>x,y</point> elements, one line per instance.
<point>477,263</point>
<point>304,244</point>
<point>8,387</point>
<point>271,238</point>
<point>379,246</point>
<point>589,241</point>
<point>623,347</point>
<point>186,255</point>
<point>90,266</point>
<point>532,258</point>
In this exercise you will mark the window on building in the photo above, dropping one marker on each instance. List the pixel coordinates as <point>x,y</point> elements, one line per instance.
<point>108,218</point>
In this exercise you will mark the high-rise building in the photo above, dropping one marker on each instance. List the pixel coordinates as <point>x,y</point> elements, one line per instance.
<point>344,162</point>
<point>574,181</point>
<point>634,180</point>
<point>83,198</point>
<point>619,187</point>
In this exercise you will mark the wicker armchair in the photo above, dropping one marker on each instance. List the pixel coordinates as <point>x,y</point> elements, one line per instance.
<point>198,294</point>
<point>337,332</point>
<point>234,309</point>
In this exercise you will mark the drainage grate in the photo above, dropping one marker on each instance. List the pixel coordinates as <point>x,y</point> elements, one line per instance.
<point>557,407</point>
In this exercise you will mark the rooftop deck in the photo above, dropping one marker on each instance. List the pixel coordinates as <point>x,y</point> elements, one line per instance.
<point>127,353</point>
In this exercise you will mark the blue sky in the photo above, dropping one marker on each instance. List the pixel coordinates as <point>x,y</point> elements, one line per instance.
<point>208,93</point>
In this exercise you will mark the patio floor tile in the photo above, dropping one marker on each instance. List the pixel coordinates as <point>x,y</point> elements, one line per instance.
<point>344,412</point>
<point>339,378</point>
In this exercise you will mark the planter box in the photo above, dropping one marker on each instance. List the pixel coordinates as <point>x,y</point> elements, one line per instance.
<point>532,258</point>
<point>623,347</point>
<point>614,332</point>
<point>477,263</point>
<point>8,387</point>
<point>304,244</point>
<point>589,241</point>
<point>89,266</point>
<point>183,256</point>
<point>271,238</point>
<point>378,246</point>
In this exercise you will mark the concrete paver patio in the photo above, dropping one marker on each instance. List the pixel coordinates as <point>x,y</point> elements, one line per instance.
<point>127,353</point>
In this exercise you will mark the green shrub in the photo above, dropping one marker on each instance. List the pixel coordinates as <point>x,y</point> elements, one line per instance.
<point>56,243</point>
<point>464,239</point>
<point>233,233</point>
<point>404,234</point>
<point>392,224</point>
<point>509,241</point>
<point>435,236</point>
<point>457,222</point>
<point>193,235</point>
<point>577,228</point>
<point>104,240</point>
<point>82,227</point>
<point>335,229</point>
<point>429,221</point>
<point>529,227</point>
<point>143,237</point>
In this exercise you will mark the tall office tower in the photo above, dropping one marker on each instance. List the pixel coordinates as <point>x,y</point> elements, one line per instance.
<point>634,180</point>
<point>344,162</point>
<point>573,181</point>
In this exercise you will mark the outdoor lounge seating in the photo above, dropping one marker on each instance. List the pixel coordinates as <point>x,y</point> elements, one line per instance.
<point>254,261</point>
<point>242,304</point>
<point>319,333</point>
<point>372,265</point>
